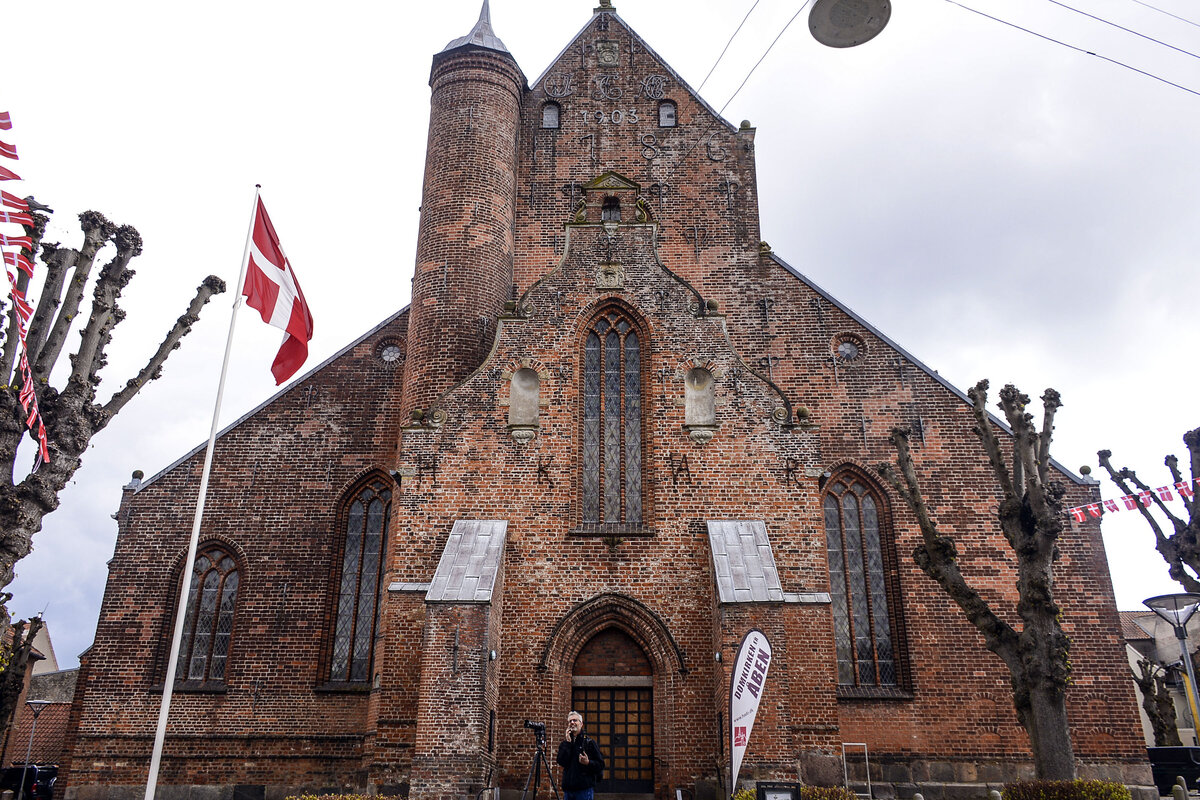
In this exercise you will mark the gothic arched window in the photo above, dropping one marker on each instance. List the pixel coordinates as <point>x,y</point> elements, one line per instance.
<point>863,628</point>
<point>612,422</point>
<point>366,522</point>
<point>208,626</point>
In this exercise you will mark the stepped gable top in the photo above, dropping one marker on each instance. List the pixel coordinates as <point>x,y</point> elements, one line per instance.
<point>606,8</point>
<point>481,35</point>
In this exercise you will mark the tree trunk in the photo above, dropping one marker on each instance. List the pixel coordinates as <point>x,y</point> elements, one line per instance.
<point>1050,733</point>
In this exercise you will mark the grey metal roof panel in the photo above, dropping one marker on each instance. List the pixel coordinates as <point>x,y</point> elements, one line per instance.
<point>481,35</point>
<point>470,562</point>
<point>743,563</point>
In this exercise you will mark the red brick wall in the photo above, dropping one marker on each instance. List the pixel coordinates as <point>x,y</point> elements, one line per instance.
<point>769,338</point>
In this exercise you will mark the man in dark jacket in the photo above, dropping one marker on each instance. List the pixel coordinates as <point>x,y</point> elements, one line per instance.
<point>580,759</point>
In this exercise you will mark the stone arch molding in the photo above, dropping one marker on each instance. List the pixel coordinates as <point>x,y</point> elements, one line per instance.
<point>611,610</point>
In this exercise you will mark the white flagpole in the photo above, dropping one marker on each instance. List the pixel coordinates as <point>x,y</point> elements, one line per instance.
<point>169,685</point>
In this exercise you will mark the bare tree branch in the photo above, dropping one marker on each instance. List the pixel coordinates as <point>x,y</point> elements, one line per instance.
<point>212,285</point>
<point>96,231</point>
<point>1180,548</point>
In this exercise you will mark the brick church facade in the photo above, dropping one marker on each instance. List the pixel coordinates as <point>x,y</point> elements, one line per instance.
<point>612,433</point>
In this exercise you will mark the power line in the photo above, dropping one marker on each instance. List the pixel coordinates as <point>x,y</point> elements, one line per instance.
<point>705,134</point>
<point>1122,27</point>
<point>1168,13</point>
<point>731,38</point>
<point>1073,47</point>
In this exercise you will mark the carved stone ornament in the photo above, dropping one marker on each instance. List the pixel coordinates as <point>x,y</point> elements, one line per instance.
<point>438,417</point>
<point>780,415</point>
<point>610,276</point>
<point>523,434</point>
<point>701,434</point>
<point>608,54</point>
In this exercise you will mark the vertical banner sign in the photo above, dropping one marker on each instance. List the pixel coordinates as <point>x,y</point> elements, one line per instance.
<point>745,692</point>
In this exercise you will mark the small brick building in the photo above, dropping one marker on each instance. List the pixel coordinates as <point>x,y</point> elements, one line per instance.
<point>612,433</point>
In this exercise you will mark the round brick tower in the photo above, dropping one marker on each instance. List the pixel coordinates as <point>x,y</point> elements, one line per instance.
<point>465,245</point>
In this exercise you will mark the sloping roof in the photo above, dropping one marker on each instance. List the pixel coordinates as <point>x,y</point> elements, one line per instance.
<point>743,563</point>
<point>1082,480</point>
<point>137,487</point>
<point>470,562</point>
<point>641,43</point>
<point>49,738</point>
<point>1130,630</point>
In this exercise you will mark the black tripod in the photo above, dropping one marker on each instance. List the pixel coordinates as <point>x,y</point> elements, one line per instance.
<point>535,769</point>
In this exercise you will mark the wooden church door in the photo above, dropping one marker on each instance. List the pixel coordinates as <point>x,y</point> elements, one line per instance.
<point>613,690</point>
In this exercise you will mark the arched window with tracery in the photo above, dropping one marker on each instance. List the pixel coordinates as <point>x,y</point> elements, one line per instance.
<point>864,630</point>
<point>361,569</point>
<point>208,626</point>
<point>612,422</point>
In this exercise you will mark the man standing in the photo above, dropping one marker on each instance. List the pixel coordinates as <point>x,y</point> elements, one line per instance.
<point>580,759</point>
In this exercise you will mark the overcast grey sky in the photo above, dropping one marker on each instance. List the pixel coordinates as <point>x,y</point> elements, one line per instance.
<point>999,205</point>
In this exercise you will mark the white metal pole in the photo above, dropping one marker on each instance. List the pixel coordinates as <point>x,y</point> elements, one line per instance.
<point>176,639</point>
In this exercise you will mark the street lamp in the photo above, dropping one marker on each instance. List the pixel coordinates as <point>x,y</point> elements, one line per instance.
<point>35,706</point>
<point>1177,609</point>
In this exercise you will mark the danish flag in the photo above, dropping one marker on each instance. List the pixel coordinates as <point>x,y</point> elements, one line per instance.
<point>272,290</point>
<point>8,150</point>
<point>20,219</point>
<point>7,174</point>
<point>1078,513</point>
<point>1185,490</point>
<point>12,201</point>
<point>5,121</point>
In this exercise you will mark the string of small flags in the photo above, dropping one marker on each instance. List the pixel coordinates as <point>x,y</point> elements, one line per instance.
<point>1131,501</point>
<point>19,262</point>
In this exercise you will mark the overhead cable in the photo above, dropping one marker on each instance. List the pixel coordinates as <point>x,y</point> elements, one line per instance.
<point>1122,27</point>
<point>1076,49</point>
<point>731,38</point>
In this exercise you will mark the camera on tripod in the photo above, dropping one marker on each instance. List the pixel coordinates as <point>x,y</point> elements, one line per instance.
<point>538,728</point>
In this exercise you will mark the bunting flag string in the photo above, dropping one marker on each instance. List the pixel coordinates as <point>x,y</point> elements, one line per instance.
<point>1132,501</point>
<point>24,309</point>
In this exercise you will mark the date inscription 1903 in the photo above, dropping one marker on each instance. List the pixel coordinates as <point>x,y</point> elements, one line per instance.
<point>614,117</point>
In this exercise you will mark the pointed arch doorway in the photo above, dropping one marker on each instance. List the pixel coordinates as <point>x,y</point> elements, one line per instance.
<point>613,687</point>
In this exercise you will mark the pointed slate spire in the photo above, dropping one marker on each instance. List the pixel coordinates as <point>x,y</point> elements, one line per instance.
<point>481,35</point>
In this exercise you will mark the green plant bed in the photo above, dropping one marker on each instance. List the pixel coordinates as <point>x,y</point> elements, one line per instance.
<point>806,793</point>
<point>1065,790</point>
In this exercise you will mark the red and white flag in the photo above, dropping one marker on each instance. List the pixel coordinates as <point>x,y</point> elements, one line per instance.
<point>271,288</point>
<point>12,201</point>
<point>17,241</point>
<point>20,262</point>
<point>20,219</point>
<point>8,150</point>
<point>8,175</point>
<point>5,121</point>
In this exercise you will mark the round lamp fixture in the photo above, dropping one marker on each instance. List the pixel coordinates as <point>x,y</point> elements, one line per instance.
<point>846,23</point>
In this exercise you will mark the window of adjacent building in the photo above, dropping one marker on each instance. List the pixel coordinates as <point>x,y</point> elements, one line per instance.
<point>611,210</point>
<point>858,584</point>
<point>550,115</point>
<point>366,521</point>
<point>666,114</point>
<point>208,626</point>
<point>612,422</point>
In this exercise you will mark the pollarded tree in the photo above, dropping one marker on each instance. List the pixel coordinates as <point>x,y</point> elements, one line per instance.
<point>70,411</point>
<point>1151,679</point>
<point>1030,517</point>
<point>1181,547</point>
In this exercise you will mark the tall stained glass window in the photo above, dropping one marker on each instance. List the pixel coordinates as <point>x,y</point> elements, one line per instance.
<point>358,587</point>
<point>208,627</point>
<point>612,423</point>
<point>858,585</point>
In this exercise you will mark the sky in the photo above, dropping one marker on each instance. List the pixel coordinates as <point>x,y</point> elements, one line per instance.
<point>1000,205</point>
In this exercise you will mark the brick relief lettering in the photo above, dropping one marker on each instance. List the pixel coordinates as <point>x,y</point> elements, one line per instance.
<point>680,469</point>
<point>791,472</point>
